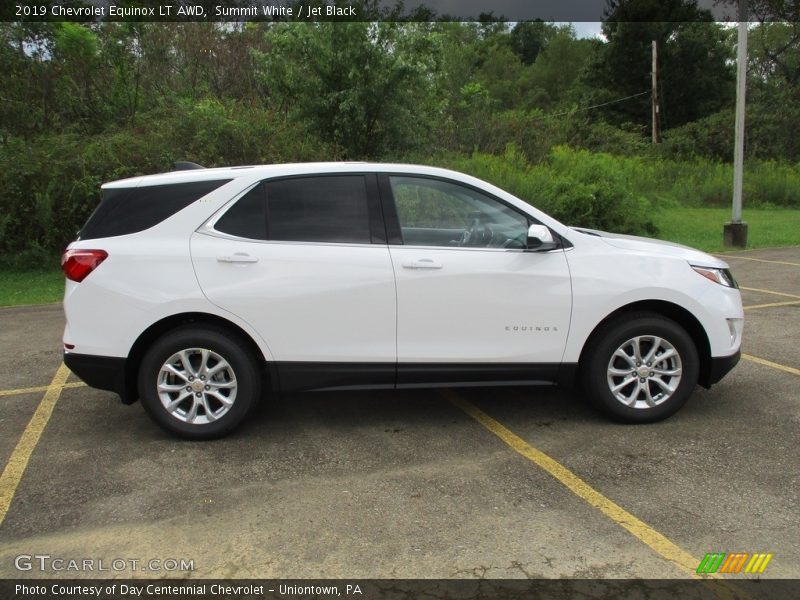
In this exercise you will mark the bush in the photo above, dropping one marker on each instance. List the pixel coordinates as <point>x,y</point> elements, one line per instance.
<point>638,184</point>
<point>574,186</point>
<point>52,183</point>
<point>704,183</point>
<point>710,138</point>
<point>772,184</point>
<point>767,133</point>
<point>602,137</point>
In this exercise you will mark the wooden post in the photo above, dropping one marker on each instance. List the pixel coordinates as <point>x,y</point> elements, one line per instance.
<point>654,93</point>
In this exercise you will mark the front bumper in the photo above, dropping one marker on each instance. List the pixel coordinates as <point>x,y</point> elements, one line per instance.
<point>101,372</point>
<point>720,366</point>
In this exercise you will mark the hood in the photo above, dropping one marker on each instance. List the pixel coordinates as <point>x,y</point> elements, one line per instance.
<point>637,243</point>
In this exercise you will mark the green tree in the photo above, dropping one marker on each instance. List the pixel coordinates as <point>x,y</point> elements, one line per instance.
<point>502,74</point>
<point>75,62</point>
<point>774,54</point>
<point>554,78</point>
<point>528,39</point>
<point>28,90</point>
<point>366,87</point>
<point>695,71</point>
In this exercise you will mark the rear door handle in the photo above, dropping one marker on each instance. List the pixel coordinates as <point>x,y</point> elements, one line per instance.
<point>238,257</point>
<point>422,263</point>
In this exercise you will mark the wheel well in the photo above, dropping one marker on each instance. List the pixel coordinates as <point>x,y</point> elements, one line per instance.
<point>159,328</point>
<point>671,311</point>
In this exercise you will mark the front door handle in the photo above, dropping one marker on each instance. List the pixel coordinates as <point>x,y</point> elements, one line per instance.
<point>422,263</point>
<point>238,257</point>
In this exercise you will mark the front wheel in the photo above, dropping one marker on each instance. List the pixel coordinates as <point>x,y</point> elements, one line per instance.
<point>199,382</point>
<point>640,368</point>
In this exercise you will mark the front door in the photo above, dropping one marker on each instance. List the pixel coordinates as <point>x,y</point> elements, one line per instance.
<point>467,290</point>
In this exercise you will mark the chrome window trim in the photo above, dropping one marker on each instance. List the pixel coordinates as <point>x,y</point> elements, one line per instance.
<point>207,228</point>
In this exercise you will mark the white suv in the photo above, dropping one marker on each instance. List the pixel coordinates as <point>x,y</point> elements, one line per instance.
<point>198,290</point>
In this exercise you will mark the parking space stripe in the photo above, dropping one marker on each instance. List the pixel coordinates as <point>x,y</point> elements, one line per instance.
<point>667,549</point>
<point>772,304</point>
<point>680,558</point>
<point>769,363</point>
<point>41,388</point>
<point>764,260</point>
<point>774,293</point>
<point>685,562</point>
<point>13,471</point>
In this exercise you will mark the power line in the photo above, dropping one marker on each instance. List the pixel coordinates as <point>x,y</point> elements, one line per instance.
<point>569,112</point>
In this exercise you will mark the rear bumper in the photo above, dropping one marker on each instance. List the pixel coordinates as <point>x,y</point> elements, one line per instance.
<point>721,366</point>
<point>101,372</point>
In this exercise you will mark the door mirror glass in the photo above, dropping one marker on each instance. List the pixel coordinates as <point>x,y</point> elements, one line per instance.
<point>540,238</point>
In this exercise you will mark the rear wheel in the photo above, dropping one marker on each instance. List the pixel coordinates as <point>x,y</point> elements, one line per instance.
<point>199,382</point>
<point>640,368</point>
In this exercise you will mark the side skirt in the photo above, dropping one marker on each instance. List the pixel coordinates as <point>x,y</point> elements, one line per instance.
<point>318,376</point>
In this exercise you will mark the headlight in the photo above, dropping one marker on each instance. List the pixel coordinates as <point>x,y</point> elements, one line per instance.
<point>720,276</point>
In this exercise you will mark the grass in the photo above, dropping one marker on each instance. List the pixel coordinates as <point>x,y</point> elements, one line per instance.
<point>31,287</point>
<point>697,227</point>
<point>702,227</point>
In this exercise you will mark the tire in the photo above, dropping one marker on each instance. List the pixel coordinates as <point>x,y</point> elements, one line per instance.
<point>646,397</point>
<point>193,402</point>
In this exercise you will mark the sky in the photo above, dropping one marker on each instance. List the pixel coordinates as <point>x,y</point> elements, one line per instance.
<point>579,12</point>
<point>585,29</point>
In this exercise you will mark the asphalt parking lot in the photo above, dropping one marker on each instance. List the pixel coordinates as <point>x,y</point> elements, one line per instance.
<point>495,483</point>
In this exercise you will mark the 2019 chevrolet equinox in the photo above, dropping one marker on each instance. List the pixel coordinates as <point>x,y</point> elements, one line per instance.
<point>199,290</point>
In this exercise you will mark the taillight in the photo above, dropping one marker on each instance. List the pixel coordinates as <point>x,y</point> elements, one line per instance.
<point>77,264</point>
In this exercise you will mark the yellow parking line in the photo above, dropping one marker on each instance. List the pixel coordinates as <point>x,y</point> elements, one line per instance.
<point>41,388</point>
<point>685,562</point>
<point>673,553</point>
<point>776,262</point>
<point>769,363</point>
<point>749,289</point>
<point>12,474</point>
<point>772,304</point>
<point>676,555</point>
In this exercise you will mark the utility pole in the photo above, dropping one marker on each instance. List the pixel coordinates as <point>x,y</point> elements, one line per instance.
<point>734,234</point>
<point>654,93</point>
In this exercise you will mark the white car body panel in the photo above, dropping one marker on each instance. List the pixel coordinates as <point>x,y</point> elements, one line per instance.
<point>106,314</point>
<point>606,278</point>
<point>357,303</point>
<point>314,302</point>
<point>512,306</point>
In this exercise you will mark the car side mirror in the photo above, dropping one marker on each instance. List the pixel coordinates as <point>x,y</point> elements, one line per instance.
<point>540,239</point>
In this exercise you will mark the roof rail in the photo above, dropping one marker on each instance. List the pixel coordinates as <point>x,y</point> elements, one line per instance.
<point>185,165</point>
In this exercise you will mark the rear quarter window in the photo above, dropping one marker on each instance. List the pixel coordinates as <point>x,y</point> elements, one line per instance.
<point>129,210</point>
<point>248,217</point>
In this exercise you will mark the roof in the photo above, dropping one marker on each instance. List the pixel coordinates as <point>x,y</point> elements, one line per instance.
<point>276,170</point>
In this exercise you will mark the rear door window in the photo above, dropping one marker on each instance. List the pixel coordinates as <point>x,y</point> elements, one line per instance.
<point>320,208</point>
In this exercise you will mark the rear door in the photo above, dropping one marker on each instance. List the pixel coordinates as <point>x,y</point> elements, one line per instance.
<point>304,261</point>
